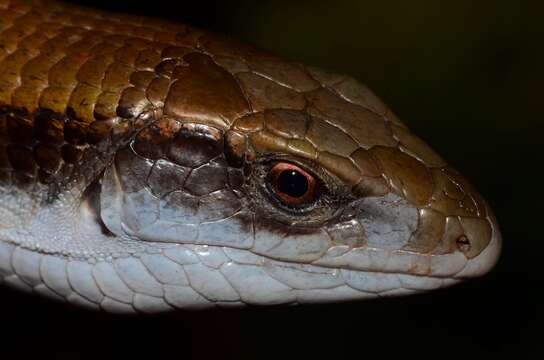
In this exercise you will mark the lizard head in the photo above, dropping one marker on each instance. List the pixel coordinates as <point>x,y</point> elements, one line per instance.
<point>232,177</point>
<point>322,196</point>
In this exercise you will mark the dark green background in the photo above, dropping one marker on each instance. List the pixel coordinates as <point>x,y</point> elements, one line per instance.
<point>464,75</point>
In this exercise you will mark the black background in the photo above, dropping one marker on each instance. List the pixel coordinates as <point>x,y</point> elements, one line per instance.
<point>464,75</point>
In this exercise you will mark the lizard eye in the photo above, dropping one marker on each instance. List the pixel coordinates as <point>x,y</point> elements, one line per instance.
<point>292,185</point>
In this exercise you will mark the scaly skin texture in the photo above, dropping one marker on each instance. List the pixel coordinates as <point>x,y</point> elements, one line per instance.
<point>88,97</point>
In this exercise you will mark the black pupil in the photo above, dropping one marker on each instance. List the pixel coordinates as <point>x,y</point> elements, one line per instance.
<point>292,183</point>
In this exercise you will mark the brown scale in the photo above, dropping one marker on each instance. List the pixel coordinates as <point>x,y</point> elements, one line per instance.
<point>76,84</point>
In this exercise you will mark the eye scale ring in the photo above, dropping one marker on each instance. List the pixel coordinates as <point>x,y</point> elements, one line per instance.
<point>292,185</point>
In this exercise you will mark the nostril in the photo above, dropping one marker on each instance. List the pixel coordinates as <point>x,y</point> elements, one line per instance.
<point>463,243</point>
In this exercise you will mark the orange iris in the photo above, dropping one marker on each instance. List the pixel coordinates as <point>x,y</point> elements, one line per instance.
<point>292,184</point>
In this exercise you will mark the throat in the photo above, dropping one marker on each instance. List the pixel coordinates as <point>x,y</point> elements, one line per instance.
<point>70,226</point>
